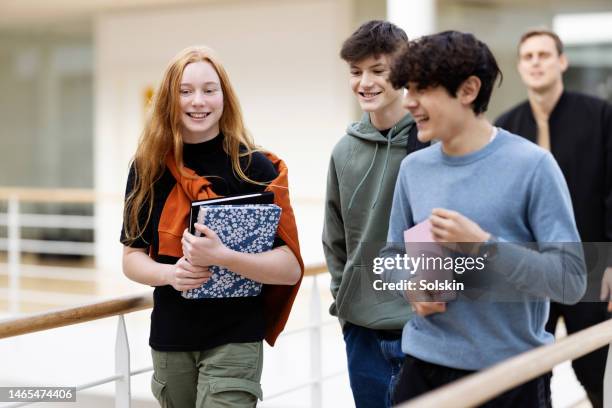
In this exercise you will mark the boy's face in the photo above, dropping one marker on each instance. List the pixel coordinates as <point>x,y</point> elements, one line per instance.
<point>437,114</point>
<point>369,82</point>
<point>540,65</point>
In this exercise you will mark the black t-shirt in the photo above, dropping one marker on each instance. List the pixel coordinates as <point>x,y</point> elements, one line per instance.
<point>179,324</point>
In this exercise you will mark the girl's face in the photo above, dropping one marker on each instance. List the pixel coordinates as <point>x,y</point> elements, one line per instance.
<point>201,100</point>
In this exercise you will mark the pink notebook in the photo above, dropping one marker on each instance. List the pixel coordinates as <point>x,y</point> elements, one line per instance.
<point>419,242</point>
<point>419,233</point>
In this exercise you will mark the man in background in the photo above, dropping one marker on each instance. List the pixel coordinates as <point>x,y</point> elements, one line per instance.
<point>577,130</point>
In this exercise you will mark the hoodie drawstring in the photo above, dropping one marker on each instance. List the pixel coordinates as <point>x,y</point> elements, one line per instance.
<point>382,178</point>
<point>364,177</point>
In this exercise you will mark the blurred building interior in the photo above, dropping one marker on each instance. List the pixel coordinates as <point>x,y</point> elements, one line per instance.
<point>76,77</point>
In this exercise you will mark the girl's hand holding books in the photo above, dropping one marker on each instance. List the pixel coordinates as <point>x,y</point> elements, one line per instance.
<point>205,250</point>
<point>184,275</point>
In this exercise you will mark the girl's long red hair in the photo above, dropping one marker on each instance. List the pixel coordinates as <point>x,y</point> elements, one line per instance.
<point>162,136</point>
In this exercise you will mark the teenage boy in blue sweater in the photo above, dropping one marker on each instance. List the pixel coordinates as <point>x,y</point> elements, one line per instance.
<point>479,185</point>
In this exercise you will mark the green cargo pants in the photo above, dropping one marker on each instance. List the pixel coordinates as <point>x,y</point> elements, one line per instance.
<point>225,376</point>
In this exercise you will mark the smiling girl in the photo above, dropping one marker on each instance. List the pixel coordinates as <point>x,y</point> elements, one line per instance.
<point>206,352</point>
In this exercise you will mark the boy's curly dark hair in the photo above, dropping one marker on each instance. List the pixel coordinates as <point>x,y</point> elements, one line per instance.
<point>373,38</point>
<point>447,59</point>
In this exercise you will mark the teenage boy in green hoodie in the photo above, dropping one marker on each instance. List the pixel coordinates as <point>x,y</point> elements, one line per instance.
<point>360,183</point>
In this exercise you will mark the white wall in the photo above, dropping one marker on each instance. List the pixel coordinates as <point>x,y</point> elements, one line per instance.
<point>282,58</point>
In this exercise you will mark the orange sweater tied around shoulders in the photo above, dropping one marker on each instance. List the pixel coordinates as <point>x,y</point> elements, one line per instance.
<point>278,299</point>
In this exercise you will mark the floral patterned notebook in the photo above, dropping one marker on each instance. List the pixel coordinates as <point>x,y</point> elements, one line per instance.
<point>249,228</point>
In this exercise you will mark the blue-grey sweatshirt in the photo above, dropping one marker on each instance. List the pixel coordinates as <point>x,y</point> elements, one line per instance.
<point>514,190</point>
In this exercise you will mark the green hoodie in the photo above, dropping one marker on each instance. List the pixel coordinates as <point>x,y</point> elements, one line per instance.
<point>360,183</point>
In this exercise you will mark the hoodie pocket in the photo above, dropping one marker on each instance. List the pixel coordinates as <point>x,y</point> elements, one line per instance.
<point>349,292</point>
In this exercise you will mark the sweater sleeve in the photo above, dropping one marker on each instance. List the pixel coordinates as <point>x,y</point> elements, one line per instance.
<point>554,267</point>
<point>334,239</point>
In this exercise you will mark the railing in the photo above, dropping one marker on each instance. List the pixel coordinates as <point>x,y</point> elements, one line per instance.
<point>123,372</point>
<point>14,220</point>
<point>483,386</point>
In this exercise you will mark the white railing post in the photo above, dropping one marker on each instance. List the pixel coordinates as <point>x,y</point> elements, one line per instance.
<point>607,388</point>
<point>122,366</point>
<point>316,392</point>
<point>14,252</point>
